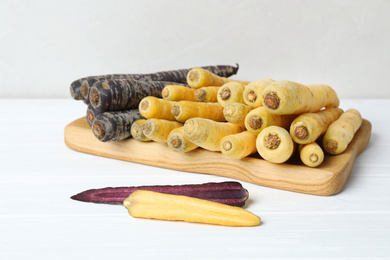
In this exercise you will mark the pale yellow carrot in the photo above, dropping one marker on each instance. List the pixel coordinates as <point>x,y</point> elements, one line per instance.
<point>198,77</point>
<point>307,127</point>
<point>207,133</point>
<point>253,92</point>
<point>159,129</point>
<point>207,94</point>
<point>239,145</point>
<point>236,112</point>
<point>184,110</point>
<point>287,97</point>
<point>179,142</point>
<point>274,144</point>
<point>152,107</point>
<point>259,118</point>
<point>136,130</point>
<point>178,92</point>
<point>231,93</point>
<point>311,154</point>
<point>341,132</point>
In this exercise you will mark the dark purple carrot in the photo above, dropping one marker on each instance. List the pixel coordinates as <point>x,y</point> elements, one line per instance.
<point>230,193</point>
<point>80,88</point>
<point>115,126</point>
<point>91,114</point>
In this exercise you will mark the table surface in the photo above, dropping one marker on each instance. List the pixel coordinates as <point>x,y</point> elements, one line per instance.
<point>38,220</point>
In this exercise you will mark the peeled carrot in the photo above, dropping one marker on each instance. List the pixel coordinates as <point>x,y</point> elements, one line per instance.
<point>231,93</point>
<point>239,145</point>
<point>179,142</point>
<point>184,110</point>
<point>207,133</point>
<point>152,107</point>
<point>236,112</point>
<point>259,118</point>
<point>178,92</point>
<point>136,130</point>
<point>341,132</point>
<point>307,127</point>
<point>159,129</point>
<point>199,77</point>
<point>253,92</point>
<point>207,94</point>
<point>274,144</point>
<point>311,154</point>
<point>287,97</point>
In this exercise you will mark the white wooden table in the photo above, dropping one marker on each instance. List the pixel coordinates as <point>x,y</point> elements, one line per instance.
<point>38,220</point>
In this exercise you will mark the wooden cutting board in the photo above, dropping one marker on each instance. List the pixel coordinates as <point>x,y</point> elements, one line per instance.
<point>327,179</point>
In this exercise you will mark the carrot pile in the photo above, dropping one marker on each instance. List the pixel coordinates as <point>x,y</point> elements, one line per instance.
<point>202,108</point>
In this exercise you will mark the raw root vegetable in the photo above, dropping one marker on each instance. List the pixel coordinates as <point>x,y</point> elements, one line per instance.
<point>230,93</point>
<point>236,112</point>
<point>259,118</point>
<point>207,94</point>
<point>184,110</point>
<point>287,97</point>
<point>152,107</point>
<point>178,92</point>
<point>311,154</point>
<point>230,193</point>
<point>179,76</point>
<point>253,91</point>
<point>159,129</point>
<point>155,205</point>
<point>114,126</point>
<point>274,144</point>
<point>179,142</point>
<point>136,130</point>
<point>91,114</point>
<point>198,77</point>
<point>207,133</point>
<point>341,132</point>
<point>239,145</point>
<point>307,127</point>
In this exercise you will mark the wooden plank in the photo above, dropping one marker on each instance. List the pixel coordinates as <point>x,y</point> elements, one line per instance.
<point>327,179</point>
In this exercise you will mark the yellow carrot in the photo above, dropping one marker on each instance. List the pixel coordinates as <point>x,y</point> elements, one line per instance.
<point>239,145</point>
<point>341,132</point>
<point>136,130</point>
<point>259,118</point>
<point>253,91</point>
<point>236,112</point>
<point>178,92</point>
<point>231,93</point>
<point>207,133</point>
<point>184,110</point>
<point>287,97</point>
<point>152,107</point>
<point>155,205</point>
<point>198,77</point>
<point>159,129</point>
<point>311,154</point>
<point>274,144</point>
<point>178,142</point>
<point>207,94</point>
<point>307,127</point>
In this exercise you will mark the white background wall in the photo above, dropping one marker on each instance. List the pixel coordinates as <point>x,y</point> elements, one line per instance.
<point>45,45</point>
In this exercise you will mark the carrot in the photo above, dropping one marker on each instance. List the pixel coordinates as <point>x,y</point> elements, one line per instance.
<point>152,107</point>
<point>207,94</point>
<point>311,154</point>
<point>179,142</point>
<point>253,91</point>
<point>287,97</point>
<point>159,129</point>
<point>307,127</point>
<point>207,133</point>
<point>231,93</point>
<point>178,92</point>
<point>91,114</point>
<point>114,126</point>
<point>341,132</point>
<point>136,130</point>
<point>198,77</point>
<point>239,145</point>
<point>259,118</point>
<point>236,112</point>
<point>274,144</point>
<point>184,110</point>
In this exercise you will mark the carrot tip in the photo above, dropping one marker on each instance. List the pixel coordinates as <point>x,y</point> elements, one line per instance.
<point>272,141</point>
<point>271,100</point>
